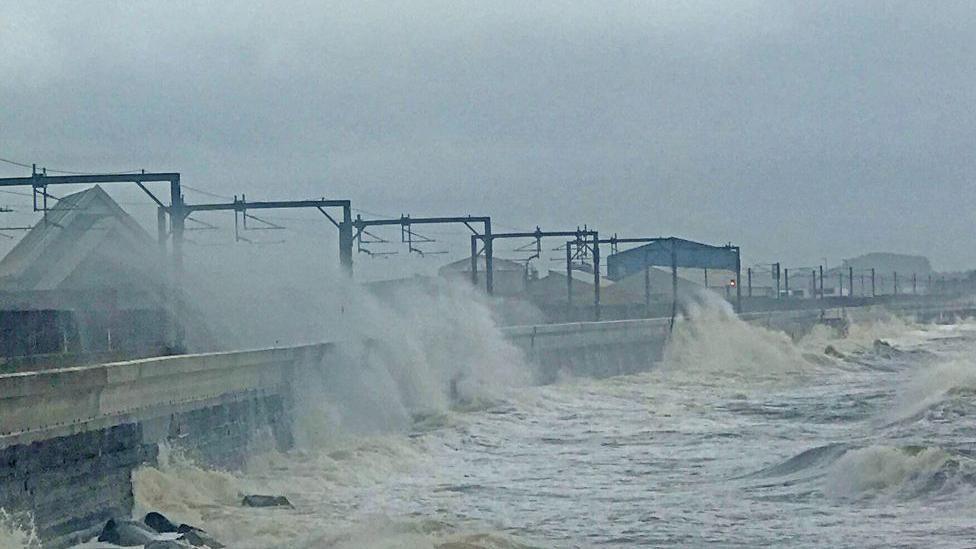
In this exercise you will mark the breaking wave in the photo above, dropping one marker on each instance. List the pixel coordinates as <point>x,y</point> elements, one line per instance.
<point>902,472</point>
<point>940,391</point>
<point>846,472</point>
<point>427,351</point>
<point>709,338</point>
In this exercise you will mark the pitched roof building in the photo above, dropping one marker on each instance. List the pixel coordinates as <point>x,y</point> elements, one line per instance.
<point>86,279</point>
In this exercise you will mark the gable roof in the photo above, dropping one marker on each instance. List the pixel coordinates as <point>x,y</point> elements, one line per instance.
<point>81,225</point>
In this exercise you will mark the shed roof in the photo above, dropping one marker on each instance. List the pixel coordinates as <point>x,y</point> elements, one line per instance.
<point>664,251</point>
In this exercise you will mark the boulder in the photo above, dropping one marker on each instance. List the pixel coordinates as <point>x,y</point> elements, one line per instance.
<point>127,533</point>
<point>258,500</point>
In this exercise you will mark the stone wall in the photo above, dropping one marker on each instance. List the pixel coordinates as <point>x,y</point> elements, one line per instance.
<point>72,484</point>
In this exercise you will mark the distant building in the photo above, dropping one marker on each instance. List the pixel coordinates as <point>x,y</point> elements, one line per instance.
<point>553,288</point>
<point>631,289</point>
<point>893,273</point>
<point>508,277</point>
<point>86,279</point>
<point>903,264</point>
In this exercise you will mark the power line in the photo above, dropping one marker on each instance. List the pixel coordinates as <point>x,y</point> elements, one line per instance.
<point>207,193</point>
<point>15,163</point>
<point>18,193</point>
<point>64,172</point>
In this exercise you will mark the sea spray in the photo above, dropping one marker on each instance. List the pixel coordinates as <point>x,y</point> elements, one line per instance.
<point>709,338</point>
<point>418,353</point>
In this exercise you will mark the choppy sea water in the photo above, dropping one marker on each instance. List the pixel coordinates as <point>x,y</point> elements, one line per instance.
<point>740,438</point>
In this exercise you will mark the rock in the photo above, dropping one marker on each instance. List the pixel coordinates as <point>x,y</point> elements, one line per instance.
<point>198,538</point>
<point>830,350</point>
<point>885,349</point>
<point>168,544</point>
<point>266,501</point>
<point>159,522</point>
<point>127,533</point>
<point>189,534</point>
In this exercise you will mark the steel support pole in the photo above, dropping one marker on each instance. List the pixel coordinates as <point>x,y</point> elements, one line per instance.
<point>596,276</point>
<point>873,291</point>
<point>474,260</point>
<point>345,240</point>
<point>786,280</point>
<point>674,281</point>
<point>914,284</point>
<point>738,281</point>
<point>569,281</point>
<point>821,283</point>
<point>161,234</point>
<point>850,281</point>
<point>647,286</point>
<point>749,276</point>
<point>177,224</point>
<point>776,276</point>
<point>489,260</point>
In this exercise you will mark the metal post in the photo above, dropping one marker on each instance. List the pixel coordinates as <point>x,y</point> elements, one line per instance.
<point>813,284</point>
<point>596,276</point>
<point>489,260</point>
<point>345,240</point>
<point>706,278</point>
<point>786,279</point>
<point>674,281</point>
<point>914,284</point>
<point>894,283</point>
<point>161,235</point>
<point>647,286</point>
<point>850,281</point>
<point>749,278</point>
<point>569,281</point>
<point>177,223</point>
<point>873,292</point>
<point>840,284</point>
<point>738,281</point>
<point>821,283</point>
<point>474,260</point>
<point>776,272</point>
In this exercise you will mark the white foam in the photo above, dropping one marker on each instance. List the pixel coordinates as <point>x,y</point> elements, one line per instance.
<point>17,532</point>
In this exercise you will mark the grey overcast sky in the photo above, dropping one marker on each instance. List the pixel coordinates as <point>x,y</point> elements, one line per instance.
<point>799,130</point>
